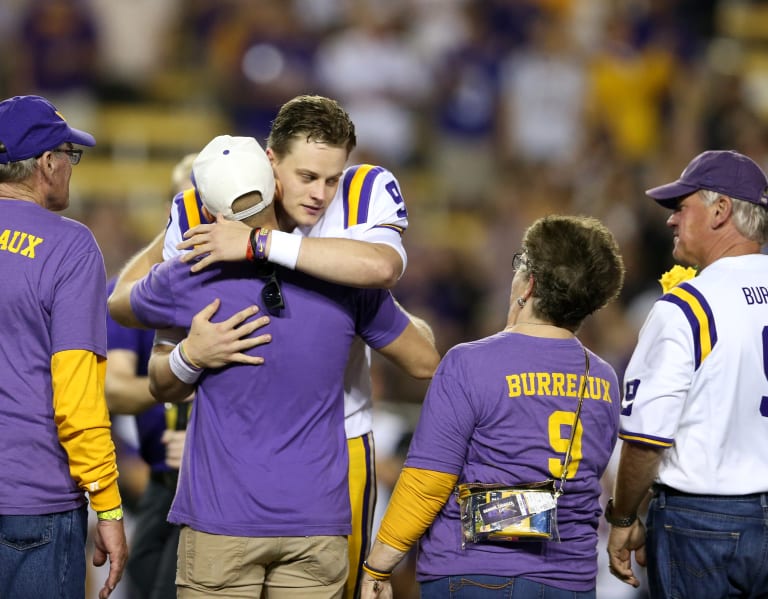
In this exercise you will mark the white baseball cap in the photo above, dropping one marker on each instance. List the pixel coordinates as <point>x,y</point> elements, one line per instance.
<point>228,168</point>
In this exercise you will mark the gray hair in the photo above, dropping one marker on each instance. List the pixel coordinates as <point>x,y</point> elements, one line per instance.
<point>15,172</point>
<point>751,220</point>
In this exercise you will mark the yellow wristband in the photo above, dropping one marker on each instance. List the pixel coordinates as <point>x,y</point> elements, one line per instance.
<point>115,514</point>
<point>377,575</point>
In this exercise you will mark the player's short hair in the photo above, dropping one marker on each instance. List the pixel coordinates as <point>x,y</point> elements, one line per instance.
<point>313,118</point>
<point>751,220</point>
<point>576,266</point>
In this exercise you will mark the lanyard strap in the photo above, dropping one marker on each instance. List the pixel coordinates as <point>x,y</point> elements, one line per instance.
<point>567,461</point>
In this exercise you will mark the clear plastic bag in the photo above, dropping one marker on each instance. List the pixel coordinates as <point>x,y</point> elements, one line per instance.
<point>494,512</point>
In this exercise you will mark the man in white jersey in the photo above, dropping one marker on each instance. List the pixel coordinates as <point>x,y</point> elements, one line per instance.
<point>695,409</point>
<point>345,226</point>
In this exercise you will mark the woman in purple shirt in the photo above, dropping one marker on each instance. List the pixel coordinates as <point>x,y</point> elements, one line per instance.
<point>500,411</point>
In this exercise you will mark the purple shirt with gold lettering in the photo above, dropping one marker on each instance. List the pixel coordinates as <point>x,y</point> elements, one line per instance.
<point>499,410</point>
<point>52,299</point>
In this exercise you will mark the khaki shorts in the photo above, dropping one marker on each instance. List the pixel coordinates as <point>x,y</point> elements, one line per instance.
<point>238,567</point>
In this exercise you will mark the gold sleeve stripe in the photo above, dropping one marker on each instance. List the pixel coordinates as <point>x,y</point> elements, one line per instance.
<point>655,441</point>
<point>418,497</point>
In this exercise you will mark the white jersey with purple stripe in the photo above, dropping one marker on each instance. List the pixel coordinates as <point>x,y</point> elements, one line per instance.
<point>266,453</point>
<point>368,206</point>
<point>501,410</point>
<point>697,382</point>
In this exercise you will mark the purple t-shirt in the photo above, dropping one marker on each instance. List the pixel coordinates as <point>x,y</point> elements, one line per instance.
<point>52,298</point>
<point>266,453</point>
<point>493,414</point>
<point>151,423</point>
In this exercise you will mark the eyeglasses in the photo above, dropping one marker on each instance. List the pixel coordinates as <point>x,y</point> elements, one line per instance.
<point>73,155</point>
<point>271,294</point>
<point>520,260</point>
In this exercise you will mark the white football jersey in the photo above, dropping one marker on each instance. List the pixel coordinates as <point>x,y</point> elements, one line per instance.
<point>697,382</point>
<point>368,206</point>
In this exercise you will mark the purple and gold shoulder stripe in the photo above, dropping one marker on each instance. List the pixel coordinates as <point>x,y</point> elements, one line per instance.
<point>190,208</point>
<point>358,194</point>
<point>699,316</point>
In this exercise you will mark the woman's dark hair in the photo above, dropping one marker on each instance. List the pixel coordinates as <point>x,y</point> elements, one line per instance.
<point>576,266</point>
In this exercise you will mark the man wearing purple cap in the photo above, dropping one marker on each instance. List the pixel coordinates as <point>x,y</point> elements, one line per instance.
<point>54,426</point>
<point>695,409</point>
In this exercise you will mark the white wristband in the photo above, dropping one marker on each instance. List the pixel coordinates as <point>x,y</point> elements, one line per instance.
<point>284,249</point>
<point>183,371</point>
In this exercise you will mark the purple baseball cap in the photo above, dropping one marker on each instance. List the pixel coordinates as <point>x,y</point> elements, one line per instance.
<point>31,125</point>
<point>723,171</point>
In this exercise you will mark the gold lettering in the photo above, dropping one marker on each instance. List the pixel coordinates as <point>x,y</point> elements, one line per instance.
<point>594,388</point>
<point>32,243</point>
<point>558,383</point>
<point>606,391</point>
<point>528,387</point>
<point>15,246</point>
<point>543,380</point>
<point>513,382</point>
<point>571,378</point>
<point>4,239</point>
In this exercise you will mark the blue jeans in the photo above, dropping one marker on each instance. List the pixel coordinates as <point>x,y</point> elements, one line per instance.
<point>43,556</point>
<point>707,545</point>
<point>483,586</point>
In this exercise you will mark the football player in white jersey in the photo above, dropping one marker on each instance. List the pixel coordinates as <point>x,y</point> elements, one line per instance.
<point>344,225</point>
<point>695,409</point>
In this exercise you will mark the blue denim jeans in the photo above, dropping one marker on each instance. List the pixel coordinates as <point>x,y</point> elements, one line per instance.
<point>43,556</point>
<point>483,586</point>
<point>707,546</point>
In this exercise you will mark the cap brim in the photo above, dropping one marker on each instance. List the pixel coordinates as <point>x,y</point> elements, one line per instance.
<point>668,195</point>
<point>80,137</point>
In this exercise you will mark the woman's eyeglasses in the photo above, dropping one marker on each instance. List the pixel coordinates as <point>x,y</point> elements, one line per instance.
<point>271,294</point>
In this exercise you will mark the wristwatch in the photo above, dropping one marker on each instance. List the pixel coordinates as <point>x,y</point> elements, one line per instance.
<point>620,522</point>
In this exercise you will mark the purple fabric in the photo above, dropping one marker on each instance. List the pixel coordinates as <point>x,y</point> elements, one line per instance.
<point>493,414</point>
<point>31,125</point>
<point>723,171</point>
<point>266,453</point>
<point>52,299</point>
<point>150,424</point>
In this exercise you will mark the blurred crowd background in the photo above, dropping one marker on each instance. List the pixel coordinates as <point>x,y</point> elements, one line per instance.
<point>490,112</point>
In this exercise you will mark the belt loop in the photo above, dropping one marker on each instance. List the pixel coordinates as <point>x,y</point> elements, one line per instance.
<point>764,500</point>
<point>660,495</point>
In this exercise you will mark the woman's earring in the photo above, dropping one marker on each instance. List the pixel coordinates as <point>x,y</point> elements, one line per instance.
<point>520,302</point>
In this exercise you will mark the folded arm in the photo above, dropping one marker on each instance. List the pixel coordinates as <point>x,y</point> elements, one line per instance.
<point>344,261</point>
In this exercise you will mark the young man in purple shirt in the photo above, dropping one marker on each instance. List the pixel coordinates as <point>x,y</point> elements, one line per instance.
<point>264,474</point>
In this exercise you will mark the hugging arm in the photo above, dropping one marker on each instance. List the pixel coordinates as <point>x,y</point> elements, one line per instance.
<point>207,345</point>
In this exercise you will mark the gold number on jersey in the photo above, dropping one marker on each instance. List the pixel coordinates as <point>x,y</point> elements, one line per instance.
<point>560,423</point>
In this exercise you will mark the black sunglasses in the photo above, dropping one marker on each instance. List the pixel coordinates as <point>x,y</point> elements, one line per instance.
<point>271,294</point>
